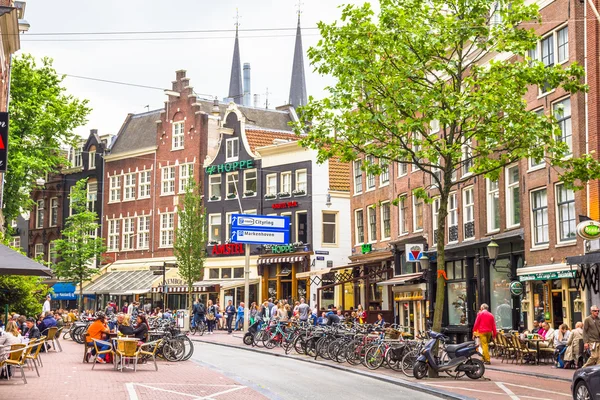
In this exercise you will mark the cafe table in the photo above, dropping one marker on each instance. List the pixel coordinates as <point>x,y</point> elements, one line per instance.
<point>537,346</point>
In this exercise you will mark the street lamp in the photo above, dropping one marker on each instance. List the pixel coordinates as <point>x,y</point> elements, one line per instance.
<point>328,199</point>
<point>424,262</point>
<point>492,250</point>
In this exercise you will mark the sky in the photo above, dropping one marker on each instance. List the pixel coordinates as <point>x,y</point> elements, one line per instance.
<point>141,60</point>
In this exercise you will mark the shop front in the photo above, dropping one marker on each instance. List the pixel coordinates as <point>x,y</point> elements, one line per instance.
<point>410,301</point>
<point>224,275</point>
<point>279,278</point>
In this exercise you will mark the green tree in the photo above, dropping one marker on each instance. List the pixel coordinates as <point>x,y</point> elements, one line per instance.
<point>191,238</point>
<point>23,294</point>
<point>418,84</point>
<point>42,119</point>
<point>79,246</point>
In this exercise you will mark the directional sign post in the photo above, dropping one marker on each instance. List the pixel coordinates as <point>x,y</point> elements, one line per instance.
<point>259,229</point>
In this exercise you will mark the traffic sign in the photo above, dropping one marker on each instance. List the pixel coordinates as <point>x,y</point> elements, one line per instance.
<point>256,236</point>
<point>259,222</point>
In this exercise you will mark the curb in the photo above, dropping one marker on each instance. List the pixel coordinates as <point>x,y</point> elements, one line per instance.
<point>394,381</point>
<point>543,376</point>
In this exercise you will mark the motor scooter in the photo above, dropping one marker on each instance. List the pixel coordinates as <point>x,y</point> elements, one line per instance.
<point>459,362</point>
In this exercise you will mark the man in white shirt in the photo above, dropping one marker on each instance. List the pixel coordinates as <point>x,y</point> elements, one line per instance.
<point>46,307</point>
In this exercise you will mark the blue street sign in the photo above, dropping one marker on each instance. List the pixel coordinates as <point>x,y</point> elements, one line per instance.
<point>260,222</point>
<point>256,236</point>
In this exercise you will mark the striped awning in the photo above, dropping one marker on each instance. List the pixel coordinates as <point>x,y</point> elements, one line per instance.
<point>180,289</point>
<point>281,259</point>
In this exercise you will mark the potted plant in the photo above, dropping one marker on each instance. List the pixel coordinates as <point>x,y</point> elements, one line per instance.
<point>249,193</point>
<point>214,198</point>
<point>282,195</point>
<point>213,242</point>
<point>270,196</point>
<point>231,196</point>
<point>299,192</point>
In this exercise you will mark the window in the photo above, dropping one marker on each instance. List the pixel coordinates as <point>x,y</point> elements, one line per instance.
<point>434,126</point>
<point>384,177</point>
<point>272,185</point>
<point>547,46</point>
<point>250,182</point>
<point>562,112</point>
<point>565,202</point>
<point>186,172</point>
<point>358,183</point>
<point>513,201</point>
<point>370,176</point>
<point>232,180</point>
<point>214,184</point>
<point>214,222</point>
<point>495,16</point>
<point>403,215</point>
<point>457,293</point>
<point>302,227</point>
<point>228,225</point>
<point>52,252</point>
<point>329,228</point>
<point>417,214</point>
<point>113,234</point>
<point>92,157</point>
<point>78,162</point>
<point>493,205</point>
<point>178,135</point>
<point>168,180</point>
<point>144,185</point>
<point>372,223</point>
<point>539,216</point>
<point>562,38</point>
<point>453,218</point>
<point>39,221</point>
<point>468,213</point>
<point>16,242</point>
<point>467,159</point>
<point>435,211</point>
<point>360,226</point>
<point>167,227</point>
<point>128,238</point>
<point>402,169</point>
<point>416,148</point>
<point>129,187</point>
<point>115,188</point>
<point>232,149</point>
<point>301,186</point>
<point>92,195</point>
<point>53,211</point>
<point>385,220</point>
<point>286,182</point>
<point>534,163</point>
<point>39,250</point>
<point>143,232</point>
<point>71,200</point>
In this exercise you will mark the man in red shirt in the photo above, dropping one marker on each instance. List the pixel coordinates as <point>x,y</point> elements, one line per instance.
<point>485,328</point>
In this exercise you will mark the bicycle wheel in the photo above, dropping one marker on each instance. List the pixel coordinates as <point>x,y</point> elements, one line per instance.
<point>393,360</point>
<point>270,342</point>
<point>311,347</point>
<point>201,328</point>
<point>374,357</point>
<point>408,362</point>
<point>353,352</point>
<point>78,334</point>
<point>173,350</point>
<point>300,345</point>
<point>188,346</point>
<point>259,337</point>
<point>333,350</point>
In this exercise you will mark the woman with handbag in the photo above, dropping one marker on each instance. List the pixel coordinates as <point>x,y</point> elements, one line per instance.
<point>210,317</point>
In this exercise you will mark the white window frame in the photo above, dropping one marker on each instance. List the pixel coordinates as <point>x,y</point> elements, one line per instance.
<point>167,229</point>
<point>490,193</point>
<point>358,177</point>
<point>246,180</point>
<point>509,201</point>
<point>38,250</point>
<point>356,226</point>
<point>402,215</point>
<point>16,242</point>
<point>211,225</point>
<point>114,231</point>
<point>214,180</point>
<point>271,184</point>
<point>565,44</point>
<point>286,187</point>
<point>234,181</point>
<point>39,214</point>
<point>92,159</point>
<point>51,252</point>
<point>371,185</point>
<point>53,212</point>
<point>452,219</point>
<point>167,186</point>
<point>78,157</point>
<point>402,169</point>
<point>335,226</point>
<point>115,189</point>
<point>129,189</point>
<point>466,207</point>
<point>232,149</point>
<point>143,234</point>
<point>382,213</point>
<point>186,171</point>
<point>566,120</point>
<point>533,211</point>
<point>466,159</point>
<point>559,240</point>
<point>416,202</point>
<point>435,211</point>
<point>178,136</point>
<point>416,147</point>
<point>372,211</point>
<point>384,177</point>
<point>92,195</point>
<point>144,184</point>
<point>228,226</point>
<point>301,183</point>
<point>128,234</point>
<point>297,224</point>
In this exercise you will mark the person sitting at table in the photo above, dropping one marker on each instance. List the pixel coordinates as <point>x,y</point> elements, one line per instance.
<point>141,328</point>
<point>536,327</point>
<point>560,343</point>
<point>97,330</point>
<point>46,323</point>
<point>11,336</point>
<point>572,352</point>
<point>547,335</point>
<point>31,331</point>
<point>123,324</point>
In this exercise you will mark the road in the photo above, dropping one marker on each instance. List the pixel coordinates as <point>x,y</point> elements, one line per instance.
<point>282,378</point>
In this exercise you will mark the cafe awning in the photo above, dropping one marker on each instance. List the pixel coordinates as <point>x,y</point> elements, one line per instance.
<point>281,259</point>
<point>123,283</point>
<point>402,279</point>
<point>64,291</point>
<point>545,272</point>
<point>14,263</point>
<point>591,258</point>
<point>310,274</point>
<point>237,283</point>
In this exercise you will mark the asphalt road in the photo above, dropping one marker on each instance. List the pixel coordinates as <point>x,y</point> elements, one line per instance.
<point>281,378</point>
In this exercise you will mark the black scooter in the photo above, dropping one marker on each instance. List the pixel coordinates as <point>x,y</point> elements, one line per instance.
<point>460,359</point>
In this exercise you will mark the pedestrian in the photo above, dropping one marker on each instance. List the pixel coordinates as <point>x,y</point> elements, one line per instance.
<point>361,315</point>
<point>229,312</point>
<point>240,317</point>
<point>46,307</point>
<point>125,308</point>
<point>303,310</point>
<point>211,316</point>
<point>265,312</point>
<point>591,336</point>
<point>199,312</point>
<point>253,312</point>
<point>148,307</point>
<point>573,350</point>
<point>485,329</point>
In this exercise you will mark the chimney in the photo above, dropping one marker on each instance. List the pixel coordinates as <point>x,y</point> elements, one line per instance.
<point>257,100</point>
<point>247,84</point>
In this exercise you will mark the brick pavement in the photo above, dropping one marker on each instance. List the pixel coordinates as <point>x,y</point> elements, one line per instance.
<point>65,376</point>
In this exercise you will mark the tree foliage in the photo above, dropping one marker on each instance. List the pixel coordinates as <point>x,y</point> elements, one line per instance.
<point>42,119</point>
<point>420,84</point>
<point>191,238</point>
<point>79,246</point>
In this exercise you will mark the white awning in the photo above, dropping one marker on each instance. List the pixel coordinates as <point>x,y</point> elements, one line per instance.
<point>402,279</point>
<point>309,274</point>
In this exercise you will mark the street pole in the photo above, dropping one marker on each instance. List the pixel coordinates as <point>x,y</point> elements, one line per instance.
<point>164,295</point>
<point>247,289</point>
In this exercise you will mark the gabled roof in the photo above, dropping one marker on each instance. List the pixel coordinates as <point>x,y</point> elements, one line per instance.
<point>259,118</point>
<point>138,131</point>
<point>339,175</point>
<point>261,137</point>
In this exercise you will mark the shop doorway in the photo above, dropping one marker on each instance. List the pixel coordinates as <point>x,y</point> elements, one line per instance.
<point>557,309</point>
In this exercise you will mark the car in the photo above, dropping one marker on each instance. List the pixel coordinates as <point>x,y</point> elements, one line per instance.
<point>586,383</point>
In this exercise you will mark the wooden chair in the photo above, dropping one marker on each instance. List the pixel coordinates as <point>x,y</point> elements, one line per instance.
<point>100,352</point>
<point>152,349</point>
<point>51,337</point>
<point>548,352</point>
<point>510,351</point>
<point>34,355</point>
<point>127,350</point>
<point>16,358</point>
<point>524,353</point>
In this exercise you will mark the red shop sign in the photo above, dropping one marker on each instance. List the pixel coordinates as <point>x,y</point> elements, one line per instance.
<point>289,204</point>
<point>228,249</point>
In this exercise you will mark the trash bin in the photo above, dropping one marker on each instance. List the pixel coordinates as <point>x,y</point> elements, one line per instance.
<point>182,319</point>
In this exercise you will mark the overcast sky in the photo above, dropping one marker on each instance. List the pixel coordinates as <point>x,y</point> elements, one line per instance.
<point>136,59</point>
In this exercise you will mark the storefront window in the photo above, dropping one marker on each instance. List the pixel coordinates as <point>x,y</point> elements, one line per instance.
<point>348,295</point>
<point>500,304</point>
<point>540,294</point>
<point>213,273</point>
<point>301,289</point>
<point>457,303</point>
<point>272,270</point>
<point>238,272</point>
<point>225,273</point>
<point>327,295</point>
<point>273,289</point>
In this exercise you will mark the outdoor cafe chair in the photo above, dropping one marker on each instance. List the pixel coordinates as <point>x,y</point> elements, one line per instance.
<point>150,349</point>
<point>524,353</point>
<point>127,350</point>
<point>51,337</point>
<point>33,343</point>
<point>547,353</point>
<point>100,352</point>
<point>510,351</point>
<point>34,356</point>
<point>16,358</point>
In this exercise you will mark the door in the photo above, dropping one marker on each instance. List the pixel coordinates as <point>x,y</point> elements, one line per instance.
<point>557,309</point>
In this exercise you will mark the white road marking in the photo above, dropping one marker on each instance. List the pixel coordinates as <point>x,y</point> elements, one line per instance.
<point>223,392</point>
<point>462,388</point>
<point>537,389</point>
<point>131,391</point>
<point>507,391</point>
<point>133,394</point>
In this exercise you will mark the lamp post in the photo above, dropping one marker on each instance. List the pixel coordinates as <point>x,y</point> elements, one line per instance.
<point>492,250</point>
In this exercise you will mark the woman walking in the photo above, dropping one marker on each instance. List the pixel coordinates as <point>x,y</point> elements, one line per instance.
<point>253,312</point>
<point>210,317</point>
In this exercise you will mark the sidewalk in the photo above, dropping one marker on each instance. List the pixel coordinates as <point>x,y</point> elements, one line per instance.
<point>64,375</point>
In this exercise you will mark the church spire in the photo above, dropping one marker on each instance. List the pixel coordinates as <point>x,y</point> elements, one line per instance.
<point>298,87</point>
<point>236,91</point>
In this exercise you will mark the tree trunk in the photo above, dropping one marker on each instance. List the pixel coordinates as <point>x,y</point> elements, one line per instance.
<point>80,300</point>
<point>190,300</point>
<point>440,273</point>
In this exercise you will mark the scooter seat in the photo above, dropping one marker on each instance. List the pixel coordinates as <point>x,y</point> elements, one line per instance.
<point>453,348</point>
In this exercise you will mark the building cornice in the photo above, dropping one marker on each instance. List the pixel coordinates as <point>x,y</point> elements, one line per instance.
<point>130,154</point>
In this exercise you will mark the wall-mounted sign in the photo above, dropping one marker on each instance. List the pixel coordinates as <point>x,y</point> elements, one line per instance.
<point>260,229</point>
<point>544,276</point>
<point>227,249</point>
<point>230,167</point>
<point>3,140</point>
<point>287,248</point>
<point>288,204</point>
<point>516,288</point>
<point>320,258</point>
<point>322,252</point>
<point>589,230</point>
<point>366,248</point>
<point>414,252</point>
<point>174,281</point>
